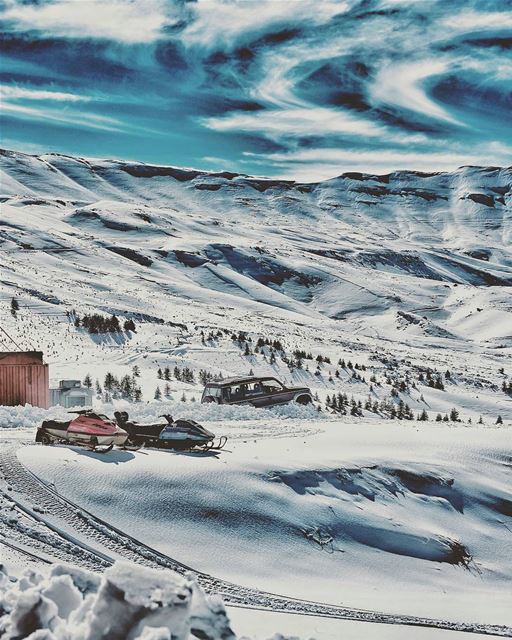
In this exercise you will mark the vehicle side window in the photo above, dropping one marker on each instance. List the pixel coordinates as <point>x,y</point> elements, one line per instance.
<point>236,393</point>
<point>254,389</point>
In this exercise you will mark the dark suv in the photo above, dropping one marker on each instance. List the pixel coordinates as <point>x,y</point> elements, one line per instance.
<point>260,392</point>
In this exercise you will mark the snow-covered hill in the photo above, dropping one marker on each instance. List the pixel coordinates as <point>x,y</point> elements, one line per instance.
<point>399,272</point>
<point>389,294</point>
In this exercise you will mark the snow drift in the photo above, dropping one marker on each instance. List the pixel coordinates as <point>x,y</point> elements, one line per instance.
<point>128,602</point>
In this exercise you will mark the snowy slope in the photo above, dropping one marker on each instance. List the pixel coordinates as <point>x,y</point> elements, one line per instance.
<point>409,268</point>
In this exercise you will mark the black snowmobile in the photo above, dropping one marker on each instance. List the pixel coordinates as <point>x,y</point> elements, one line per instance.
<point>185,435</point>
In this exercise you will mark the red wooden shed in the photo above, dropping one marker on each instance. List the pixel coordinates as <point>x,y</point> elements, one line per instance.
<point>23,379</point>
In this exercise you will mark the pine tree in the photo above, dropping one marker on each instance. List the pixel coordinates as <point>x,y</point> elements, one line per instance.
<point>129,325</point>
<point>159,373</point>
<point>439,418</point>
<point>14,306</point>
<point>109,381</point>
<point>98,389</point>
<point>499,420</point>
<point>183,397</point>
<point>167,373</point>
<point>158,394</point>
<point>87,381</point>
<point>454,415</point>
<point>126,388</point>
<point>480,420</point>
<point>167,390</point>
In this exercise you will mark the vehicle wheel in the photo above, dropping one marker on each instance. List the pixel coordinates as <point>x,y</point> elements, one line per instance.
<point>304,400</point>
<point>45,439</point>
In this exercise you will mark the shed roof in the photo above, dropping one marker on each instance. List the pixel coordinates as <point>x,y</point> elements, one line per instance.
<point>21,357</point>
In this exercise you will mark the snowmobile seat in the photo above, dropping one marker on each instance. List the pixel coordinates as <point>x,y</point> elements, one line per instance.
<point>56,424</point>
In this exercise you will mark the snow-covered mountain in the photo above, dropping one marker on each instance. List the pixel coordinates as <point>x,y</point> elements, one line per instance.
<point>391,291</point>
<point>404,265</point>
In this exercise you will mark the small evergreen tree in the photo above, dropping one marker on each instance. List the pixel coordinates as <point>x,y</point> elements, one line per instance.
<point>158,394</point>
<point>87,381</point>
<point>129,325</point>
<point>499,420</point>
<point>109,381</point>
<point>14,306</point>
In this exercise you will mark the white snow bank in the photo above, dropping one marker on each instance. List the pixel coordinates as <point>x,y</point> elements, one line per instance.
<point>29,416</point>
<point>128,602</point>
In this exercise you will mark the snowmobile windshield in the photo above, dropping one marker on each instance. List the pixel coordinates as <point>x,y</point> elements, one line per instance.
<point>98,416</point>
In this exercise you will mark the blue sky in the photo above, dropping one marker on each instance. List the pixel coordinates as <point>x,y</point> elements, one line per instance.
<point>305,89</point>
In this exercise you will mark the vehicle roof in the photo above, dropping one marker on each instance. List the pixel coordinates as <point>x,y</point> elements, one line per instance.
<point>238,380</point>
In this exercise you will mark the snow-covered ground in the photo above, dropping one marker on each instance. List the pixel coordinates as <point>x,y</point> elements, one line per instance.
<point>416,519</point>
<point>392,291</point>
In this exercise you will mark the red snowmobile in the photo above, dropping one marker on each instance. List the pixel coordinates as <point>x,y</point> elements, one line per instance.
<point>89,429</point>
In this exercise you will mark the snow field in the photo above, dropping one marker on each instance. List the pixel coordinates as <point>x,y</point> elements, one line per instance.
<point>417,518</point>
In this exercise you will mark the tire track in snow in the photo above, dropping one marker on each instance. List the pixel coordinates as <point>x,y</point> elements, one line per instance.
<point>102,536</point>
<point>24,552</point>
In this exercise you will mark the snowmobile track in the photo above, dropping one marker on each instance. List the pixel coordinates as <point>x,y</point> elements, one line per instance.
<point>101,535</point>
<point>24,552</point>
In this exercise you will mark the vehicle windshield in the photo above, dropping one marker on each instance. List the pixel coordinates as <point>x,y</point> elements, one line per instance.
<point>271,385</point>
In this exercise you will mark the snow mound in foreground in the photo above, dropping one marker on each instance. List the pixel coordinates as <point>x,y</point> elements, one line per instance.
<point>128,602</point>
<point>28,416</point>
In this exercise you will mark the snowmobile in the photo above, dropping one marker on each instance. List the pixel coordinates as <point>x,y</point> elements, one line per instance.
<point>185,435</point>
<point>93,430</point>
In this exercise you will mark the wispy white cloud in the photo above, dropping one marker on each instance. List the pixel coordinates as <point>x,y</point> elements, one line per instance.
<point>296,122</point>
<point>470,20</point>
<point>59,116</point>
<point>222,22</point>
<point>130,21</point>
<point>14,92</point>
<point>321,164</point>
<point>402,85</point>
